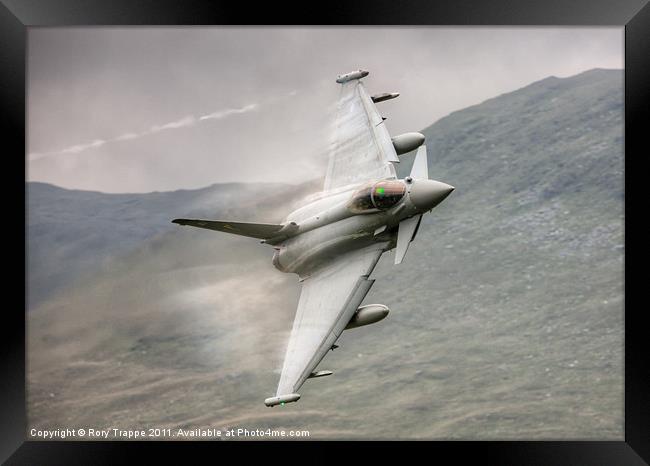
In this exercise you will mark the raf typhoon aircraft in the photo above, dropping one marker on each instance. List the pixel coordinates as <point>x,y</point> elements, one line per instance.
<point>335,241</point>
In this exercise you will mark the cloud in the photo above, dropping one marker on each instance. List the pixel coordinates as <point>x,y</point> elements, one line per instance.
<point>88,83</point>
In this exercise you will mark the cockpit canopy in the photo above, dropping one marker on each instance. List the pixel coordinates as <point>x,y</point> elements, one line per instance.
<point>378,195</point>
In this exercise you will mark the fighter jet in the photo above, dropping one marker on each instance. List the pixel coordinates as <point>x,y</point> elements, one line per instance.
<point>335,240</point>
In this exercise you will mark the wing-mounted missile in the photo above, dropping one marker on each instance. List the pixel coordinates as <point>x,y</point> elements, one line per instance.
<point>343,78</point>
<point>407,142</point>
<point>383,97</point>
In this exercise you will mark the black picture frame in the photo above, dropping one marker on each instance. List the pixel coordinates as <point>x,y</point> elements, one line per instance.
<point>17,15</point>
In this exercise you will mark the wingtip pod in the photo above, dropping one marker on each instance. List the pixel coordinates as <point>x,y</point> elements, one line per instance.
<point>343,78</point>
<point>281,400</point>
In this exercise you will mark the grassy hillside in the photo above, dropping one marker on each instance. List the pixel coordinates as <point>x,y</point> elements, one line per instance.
<point>72,233</point>
<point>506,316</point>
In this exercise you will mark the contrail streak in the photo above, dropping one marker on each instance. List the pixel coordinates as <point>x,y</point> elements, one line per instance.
<point>226,113</point>
<point>185,122</point>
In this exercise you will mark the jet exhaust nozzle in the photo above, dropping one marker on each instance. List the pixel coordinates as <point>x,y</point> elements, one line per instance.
<point>367,315</point>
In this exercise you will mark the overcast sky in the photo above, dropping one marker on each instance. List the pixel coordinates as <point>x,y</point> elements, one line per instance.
<point>145,109</point>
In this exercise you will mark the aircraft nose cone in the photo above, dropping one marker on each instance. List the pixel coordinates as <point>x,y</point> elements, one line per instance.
<point>426,194</point>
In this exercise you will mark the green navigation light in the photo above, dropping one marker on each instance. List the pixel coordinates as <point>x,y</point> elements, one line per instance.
<point>380,191</point>
<point>282,403</point>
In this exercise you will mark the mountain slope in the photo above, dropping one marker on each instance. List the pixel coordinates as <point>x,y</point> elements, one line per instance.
<point>506,316</point>
<point>72,232</point>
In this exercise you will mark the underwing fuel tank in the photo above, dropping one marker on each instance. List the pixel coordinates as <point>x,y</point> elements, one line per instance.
<point>407,142</point>
<point>343,78</point>
<point>282,399</point>
<point>366,315</point>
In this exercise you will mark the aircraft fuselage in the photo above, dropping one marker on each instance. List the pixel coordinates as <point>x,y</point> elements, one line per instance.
<point>341,221</point>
